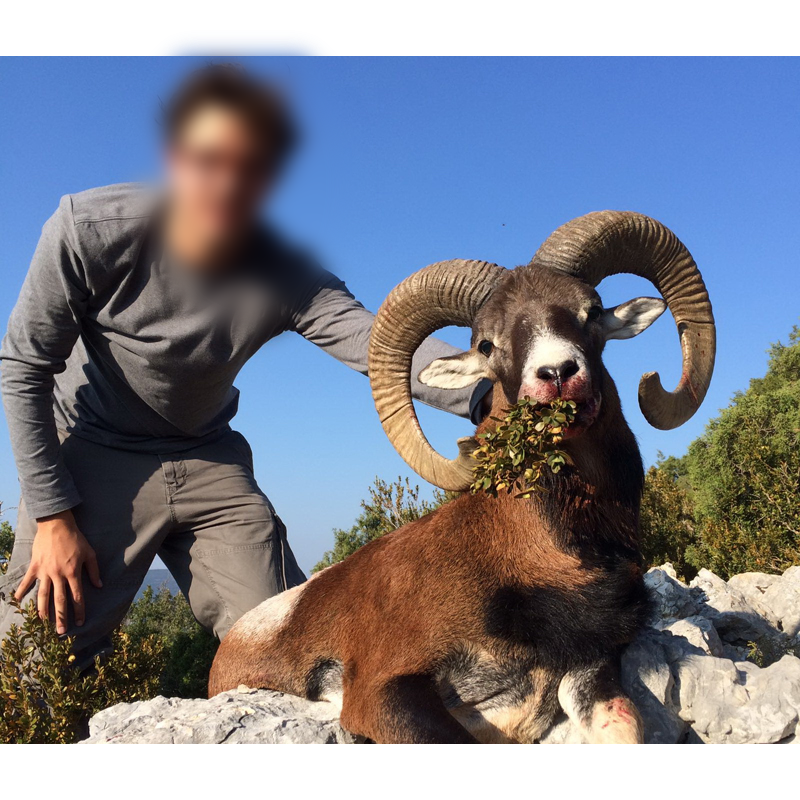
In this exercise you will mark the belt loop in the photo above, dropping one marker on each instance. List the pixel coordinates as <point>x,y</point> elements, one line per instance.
<point>182,472</point>
<point>168,470</point>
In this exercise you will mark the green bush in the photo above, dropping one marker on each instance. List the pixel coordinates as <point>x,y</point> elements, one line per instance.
<point>667,518</point>
<point>390,506</point>
<point>159,649</point>
<point>732,503</point>
<point>6,544</point>
<point>45,699</point>
<point>158,619</point>
<point>188,649</point>
<point>745,474</point>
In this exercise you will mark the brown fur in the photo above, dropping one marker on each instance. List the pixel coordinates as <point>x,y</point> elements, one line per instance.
<point>397,606</point>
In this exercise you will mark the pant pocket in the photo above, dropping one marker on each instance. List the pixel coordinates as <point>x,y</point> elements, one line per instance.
<point>229,581</point>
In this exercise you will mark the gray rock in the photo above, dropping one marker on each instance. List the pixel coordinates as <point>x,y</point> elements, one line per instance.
<point>668,568</point>
<point>700,632</point>
<point>752,585</point>
<point>739,703</point>
<point>648,680</point>
<point>733,653</point>
<point>735,620</point>
<point>242,715</point>
<point>671,599</point>
<point>782,600</point>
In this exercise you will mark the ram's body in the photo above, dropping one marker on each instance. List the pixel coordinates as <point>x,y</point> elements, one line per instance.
<point>488,603</point>
<point>480,621</point>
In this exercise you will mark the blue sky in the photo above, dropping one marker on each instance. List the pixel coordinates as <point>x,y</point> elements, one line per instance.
<point>407,162</point>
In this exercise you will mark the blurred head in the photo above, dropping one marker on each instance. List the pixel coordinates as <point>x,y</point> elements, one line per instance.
<point>227,137</point>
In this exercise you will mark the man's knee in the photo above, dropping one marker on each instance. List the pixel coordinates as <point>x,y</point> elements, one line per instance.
<point>232,581</point>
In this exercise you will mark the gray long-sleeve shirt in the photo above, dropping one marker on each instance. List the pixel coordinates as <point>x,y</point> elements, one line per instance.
<point>110,342</point>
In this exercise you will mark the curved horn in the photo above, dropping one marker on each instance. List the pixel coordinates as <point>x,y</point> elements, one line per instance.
<point>447,293</point>
<point>605,243</point>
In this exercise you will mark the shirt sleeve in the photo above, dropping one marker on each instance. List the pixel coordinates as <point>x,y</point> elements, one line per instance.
<point>42,332</point>
<point>329,316</point>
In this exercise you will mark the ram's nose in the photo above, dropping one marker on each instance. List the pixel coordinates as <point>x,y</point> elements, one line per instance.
<point>558,374</point>
<point>566,379</point>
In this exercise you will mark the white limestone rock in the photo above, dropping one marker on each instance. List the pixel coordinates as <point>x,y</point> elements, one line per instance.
<point>700,632</point>
<point>752,586</point>
<point>782,600</point>
<point>242,715</point>
<point>739,703</point>
<point>735,620</point>
<point>648,680</point>
<point>671,599</point>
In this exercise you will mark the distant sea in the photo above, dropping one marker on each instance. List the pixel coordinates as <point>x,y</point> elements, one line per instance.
<point>158,578</point>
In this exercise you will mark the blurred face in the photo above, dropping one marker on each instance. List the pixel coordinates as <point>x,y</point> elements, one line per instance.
<point>218,174</point>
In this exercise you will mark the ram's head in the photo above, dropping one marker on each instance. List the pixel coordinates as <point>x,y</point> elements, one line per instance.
<point>539,330</point>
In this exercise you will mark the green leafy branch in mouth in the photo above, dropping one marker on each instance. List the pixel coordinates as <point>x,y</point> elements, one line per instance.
<point>513,456</point>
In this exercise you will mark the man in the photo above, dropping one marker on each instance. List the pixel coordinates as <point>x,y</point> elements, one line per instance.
<point>139,309</point>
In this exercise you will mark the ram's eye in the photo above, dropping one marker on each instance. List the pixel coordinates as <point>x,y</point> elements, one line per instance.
<point>594,313</point>
<point>485,347</point>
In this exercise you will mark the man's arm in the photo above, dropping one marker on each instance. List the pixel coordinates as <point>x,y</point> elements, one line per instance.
<point>330,317</point>
<point>43,329</point>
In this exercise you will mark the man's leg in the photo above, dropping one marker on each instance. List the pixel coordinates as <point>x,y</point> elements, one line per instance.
<point>228,551</point>
<point>124,516</point>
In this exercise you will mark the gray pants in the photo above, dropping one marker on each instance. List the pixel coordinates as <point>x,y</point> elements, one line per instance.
<point>200,510</point>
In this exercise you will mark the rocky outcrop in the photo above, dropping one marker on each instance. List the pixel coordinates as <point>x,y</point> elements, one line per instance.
<point>241,716</point>
<point>718,664</point>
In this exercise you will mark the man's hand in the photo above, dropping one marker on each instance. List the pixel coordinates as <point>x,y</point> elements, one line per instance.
<point>60,551</point>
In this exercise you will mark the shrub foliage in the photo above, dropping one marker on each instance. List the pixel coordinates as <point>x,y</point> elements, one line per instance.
<point>667,518</point>
<point>158,649</point>
<point>6,543</point>
<point>187,649</point>
<point>45,699</point>
<point>513,455</point>
<point>390,506</point>
<point>745,474</point>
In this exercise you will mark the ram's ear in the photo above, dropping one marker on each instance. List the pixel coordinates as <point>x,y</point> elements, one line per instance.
<point>454,372</point>
<point>631,318</point>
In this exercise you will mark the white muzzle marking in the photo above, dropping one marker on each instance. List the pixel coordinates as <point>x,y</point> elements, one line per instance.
<point>549,350</point>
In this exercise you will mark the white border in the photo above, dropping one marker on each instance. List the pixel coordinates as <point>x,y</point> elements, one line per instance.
<point>329,773</point>
<point>388,27</point>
